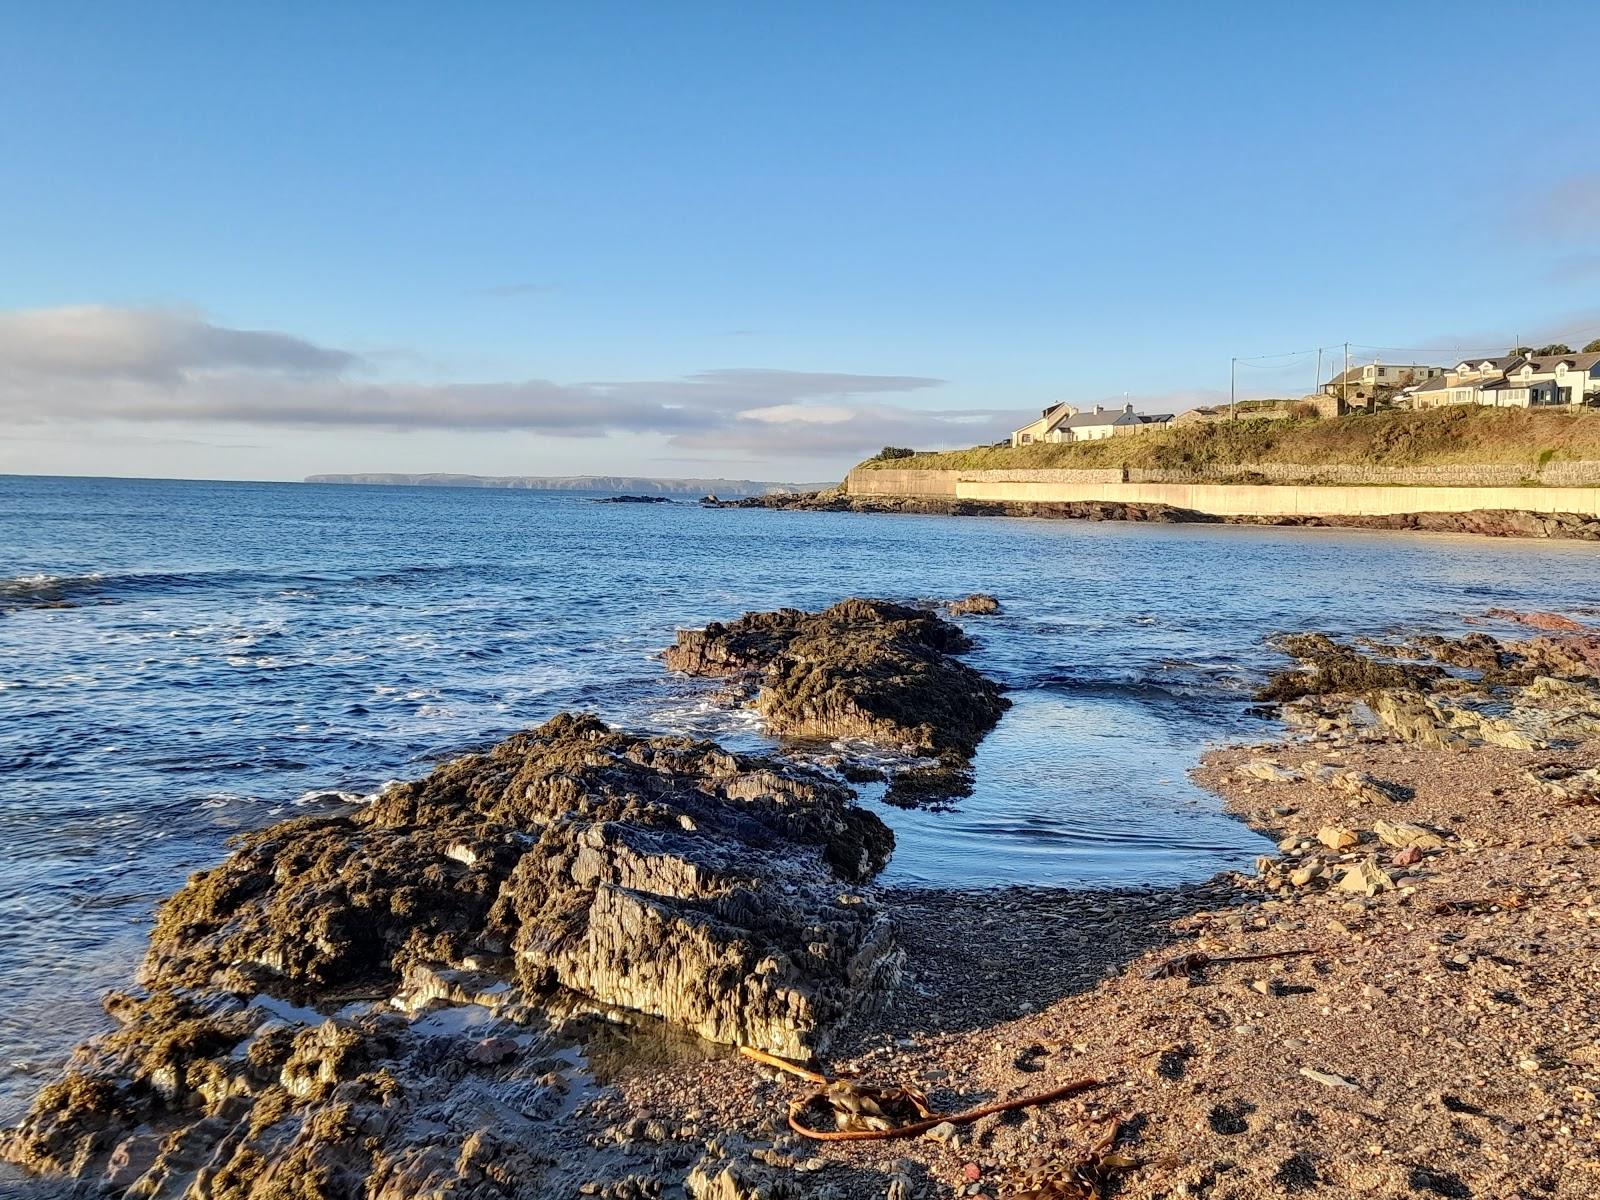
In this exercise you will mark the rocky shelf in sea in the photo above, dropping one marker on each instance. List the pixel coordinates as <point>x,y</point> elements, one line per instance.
<point>1483,522</point>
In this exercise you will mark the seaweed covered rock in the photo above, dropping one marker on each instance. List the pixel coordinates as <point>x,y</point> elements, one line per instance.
<point>285,1043</point>
<point>663,875</point>
<point>868,669</point>
<point>213,1098</point>
<point>1334,668</point>
<point>979,604</point>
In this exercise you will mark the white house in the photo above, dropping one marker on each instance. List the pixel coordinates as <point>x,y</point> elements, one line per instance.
<point>1515,381</point>
<point>1557,378</point>
<point>1064,423</point>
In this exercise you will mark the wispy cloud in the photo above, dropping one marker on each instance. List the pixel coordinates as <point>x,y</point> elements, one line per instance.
<point>173,366</point>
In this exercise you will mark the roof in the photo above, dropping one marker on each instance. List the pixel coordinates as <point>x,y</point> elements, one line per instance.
<point>1156,418</point>
<point>1504,363</point>
<point>1354,373</point>
<point>1109,416</point>
<point>1438,383</point>
<point>1578,362</point>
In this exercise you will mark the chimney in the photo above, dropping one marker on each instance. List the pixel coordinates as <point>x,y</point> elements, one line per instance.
<point>1098,409</point>
<point>1127,408</point>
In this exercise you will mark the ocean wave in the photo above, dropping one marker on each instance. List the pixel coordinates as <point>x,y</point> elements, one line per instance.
<point>323,796</point>
<point>46,590</point>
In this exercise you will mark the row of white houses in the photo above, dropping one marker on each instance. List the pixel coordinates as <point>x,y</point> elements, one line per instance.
<point>1514,381</point>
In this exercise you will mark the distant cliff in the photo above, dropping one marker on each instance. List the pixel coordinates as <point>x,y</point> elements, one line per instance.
<point>578,483</point>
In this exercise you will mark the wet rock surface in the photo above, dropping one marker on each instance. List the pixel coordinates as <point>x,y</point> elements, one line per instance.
<point>286,1042</point>
<point>871,670</point>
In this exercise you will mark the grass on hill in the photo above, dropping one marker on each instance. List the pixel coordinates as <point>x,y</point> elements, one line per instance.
<point>1461,434</point>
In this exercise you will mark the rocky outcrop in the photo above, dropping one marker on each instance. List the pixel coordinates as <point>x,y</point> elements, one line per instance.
<point>1522,695</point>
<point>664,876</point>
<point>979,604</point>
<point>1330,668</point>
<point>870,670</point>
<point>1484,522</point>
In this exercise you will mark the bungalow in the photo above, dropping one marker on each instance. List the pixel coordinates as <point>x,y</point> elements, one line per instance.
<point>1064,423</point>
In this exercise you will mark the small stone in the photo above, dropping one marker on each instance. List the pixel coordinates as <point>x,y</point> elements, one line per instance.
<point>1408,857</point>
<point>1365,878</point>
<point>1401,834</point>
<point>1337,837</point>
<point>491,1051</point>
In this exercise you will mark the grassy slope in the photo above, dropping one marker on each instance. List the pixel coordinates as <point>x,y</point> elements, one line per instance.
<point>1462,434</point>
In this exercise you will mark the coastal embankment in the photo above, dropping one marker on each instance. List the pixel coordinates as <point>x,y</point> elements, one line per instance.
<point>1114,486</point>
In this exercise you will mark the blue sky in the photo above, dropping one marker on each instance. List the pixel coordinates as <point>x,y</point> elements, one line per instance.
<point>748,239</point>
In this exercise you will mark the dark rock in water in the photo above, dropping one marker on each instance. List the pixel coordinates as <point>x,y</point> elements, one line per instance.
<point>632,500</point>
<point>1483,522</point>
<point>1337,668</point>
<point>979,604</point>
<point>660,875</point>
<point>868,669</point>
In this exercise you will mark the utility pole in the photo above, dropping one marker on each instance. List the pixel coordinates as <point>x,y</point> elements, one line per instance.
<point>1344,400</point>
<point>1231,363</point>
<point>1317,386</point>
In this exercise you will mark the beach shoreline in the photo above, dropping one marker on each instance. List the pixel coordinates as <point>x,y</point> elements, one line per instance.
<point>1400,1002</point>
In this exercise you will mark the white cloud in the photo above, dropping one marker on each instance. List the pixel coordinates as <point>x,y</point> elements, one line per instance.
<point>166,366</point>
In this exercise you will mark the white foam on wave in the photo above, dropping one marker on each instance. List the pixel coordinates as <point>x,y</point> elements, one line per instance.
<point>333,796</point>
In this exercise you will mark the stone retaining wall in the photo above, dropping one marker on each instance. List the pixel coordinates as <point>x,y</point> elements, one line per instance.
<point>867,482</point>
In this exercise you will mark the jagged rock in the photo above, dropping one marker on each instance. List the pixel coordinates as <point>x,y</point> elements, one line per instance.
<point>1365,878</point>
<point>1337,837</point>
<point>863,668</point>
<point>664,875</point>
<point>1269,772</point>
<point>868,669</point>
<point>737,1179</point>
<point>1413,717</point>
<point>1566,782</point>
<point>1339,669</point>
<point>1400,834</point>
<point>978,604</point>
<point>1369,789</point>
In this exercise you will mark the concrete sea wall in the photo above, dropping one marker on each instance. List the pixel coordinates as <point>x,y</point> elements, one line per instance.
<point>1260,500</point>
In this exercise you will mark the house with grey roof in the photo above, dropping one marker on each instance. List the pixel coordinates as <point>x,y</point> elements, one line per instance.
<point>1064,423</point>
<point>1515,381</point>
<point>1362,382</point>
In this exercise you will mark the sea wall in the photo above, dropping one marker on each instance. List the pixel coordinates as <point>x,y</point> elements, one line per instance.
<point>865,481</point>
<point>1250,500</point>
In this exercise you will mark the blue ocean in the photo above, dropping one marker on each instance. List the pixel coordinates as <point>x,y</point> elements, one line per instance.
<point>180,661</point>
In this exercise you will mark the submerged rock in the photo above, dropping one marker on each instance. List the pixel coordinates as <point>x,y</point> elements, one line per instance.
<point>868,669</point>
